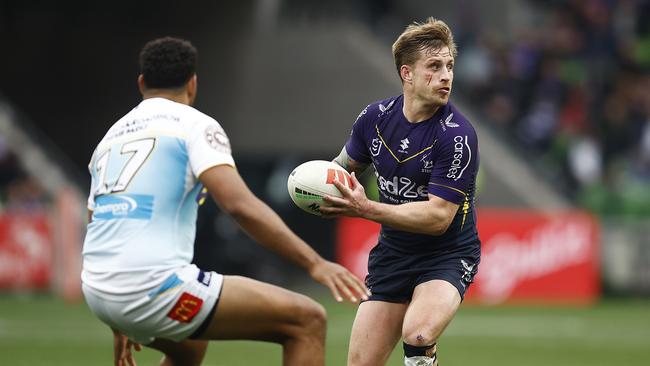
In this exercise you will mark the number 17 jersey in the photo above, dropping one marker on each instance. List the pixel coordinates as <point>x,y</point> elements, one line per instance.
<point>145,190</point>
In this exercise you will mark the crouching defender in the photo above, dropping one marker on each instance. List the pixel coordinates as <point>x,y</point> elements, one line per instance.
<point>148,178</point>
<point>425,154</point>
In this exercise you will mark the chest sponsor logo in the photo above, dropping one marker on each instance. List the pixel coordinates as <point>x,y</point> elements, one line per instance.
<point>123,206</point>
<point>185,308</point>
<point>461,158</point>
<point>375,146</point>
<point>403,187</point>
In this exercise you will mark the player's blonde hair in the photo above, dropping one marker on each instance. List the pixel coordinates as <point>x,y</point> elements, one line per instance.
<point>430,35</point>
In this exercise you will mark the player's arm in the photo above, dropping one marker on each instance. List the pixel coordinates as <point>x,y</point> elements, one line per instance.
<point>232,194</point>
<point>431,217</point>
<point>349,164</point>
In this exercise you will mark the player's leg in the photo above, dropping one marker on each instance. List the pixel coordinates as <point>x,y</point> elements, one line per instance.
<point>432,307</point>
<point>254,310</point>
<point>375,332</point>
<point>188,352</point>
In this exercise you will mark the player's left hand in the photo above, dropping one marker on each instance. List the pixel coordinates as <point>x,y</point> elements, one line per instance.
<point>122,349</point>
<point>340,281</point>
<point>353,203</point>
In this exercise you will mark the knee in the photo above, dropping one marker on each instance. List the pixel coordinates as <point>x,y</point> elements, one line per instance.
<point>420,336</point>
<point>312,317</point>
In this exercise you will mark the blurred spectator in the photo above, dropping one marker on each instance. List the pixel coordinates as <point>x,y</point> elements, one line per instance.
<point>574,89</point>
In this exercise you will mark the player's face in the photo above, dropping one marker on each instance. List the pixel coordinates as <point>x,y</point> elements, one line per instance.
<point>433,74</point>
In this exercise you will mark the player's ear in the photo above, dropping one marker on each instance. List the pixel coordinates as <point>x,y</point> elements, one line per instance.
<point>192,86</point>
<point>406,74</point>
<point>141,86</point>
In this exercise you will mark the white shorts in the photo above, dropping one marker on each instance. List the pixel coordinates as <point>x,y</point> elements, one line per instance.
<point>173,310</point>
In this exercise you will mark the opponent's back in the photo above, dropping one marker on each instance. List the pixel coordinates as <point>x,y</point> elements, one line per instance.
<point>145,189</point>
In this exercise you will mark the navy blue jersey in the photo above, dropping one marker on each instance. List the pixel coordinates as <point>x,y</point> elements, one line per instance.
<point>411,160</point>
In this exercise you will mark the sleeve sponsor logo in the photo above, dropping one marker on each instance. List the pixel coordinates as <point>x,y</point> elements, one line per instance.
<point>216,137</point>
<point>461,158</point>
<point>185,308</point>
<point>123,206</point>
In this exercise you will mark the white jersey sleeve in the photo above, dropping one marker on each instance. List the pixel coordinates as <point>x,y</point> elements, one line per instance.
<point>208,146</point>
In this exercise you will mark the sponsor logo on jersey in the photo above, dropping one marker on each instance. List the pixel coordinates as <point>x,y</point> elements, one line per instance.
<point>461,158</point>
<point>123,206</point>
<point>404,145</point>
<point>384,108</point>
<point>375,146</point>
<point>402,187</point>
<point>216,137</point>
<point>185,308</point>
<point>448,122</point>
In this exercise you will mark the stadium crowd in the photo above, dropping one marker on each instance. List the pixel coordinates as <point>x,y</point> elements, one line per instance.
<point>573,89</point>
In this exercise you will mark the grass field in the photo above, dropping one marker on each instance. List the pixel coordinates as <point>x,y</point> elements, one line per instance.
<point>47,331</point>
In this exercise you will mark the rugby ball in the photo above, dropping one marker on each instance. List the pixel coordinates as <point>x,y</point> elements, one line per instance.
<point>312,180</point>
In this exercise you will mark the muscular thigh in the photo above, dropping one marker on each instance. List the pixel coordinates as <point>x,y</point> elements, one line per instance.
<point>432,307</point>
<point>250,309</point>
<point>375,332</point>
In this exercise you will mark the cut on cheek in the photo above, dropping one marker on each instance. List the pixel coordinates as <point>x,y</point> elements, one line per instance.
<point>428,78</point>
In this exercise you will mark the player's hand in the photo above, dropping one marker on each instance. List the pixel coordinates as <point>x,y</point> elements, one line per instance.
<point>122,349</point>
<point>340,281</point>
<point>353,203</point>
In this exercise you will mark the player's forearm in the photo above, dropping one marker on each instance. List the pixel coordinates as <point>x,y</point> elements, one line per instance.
<point>415,217</point>
<point>266,227</point>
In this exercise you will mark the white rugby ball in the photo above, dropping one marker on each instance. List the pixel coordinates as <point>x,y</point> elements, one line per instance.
<point>312,180</point>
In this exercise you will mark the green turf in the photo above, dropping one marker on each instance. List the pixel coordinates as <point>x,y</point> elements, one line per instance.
<point>46,331</point>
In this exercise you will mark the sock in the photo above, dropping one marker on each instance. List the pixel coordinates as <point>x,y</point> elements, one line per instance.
<point>420,355</point>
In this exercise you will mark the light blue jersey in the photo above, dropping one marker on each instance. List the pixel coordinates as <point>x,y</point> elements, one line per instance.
<point>145,192</point>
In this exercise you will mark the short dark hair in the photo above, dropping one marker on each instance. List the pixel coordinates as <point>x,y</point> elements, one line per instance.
<point>167,63</point>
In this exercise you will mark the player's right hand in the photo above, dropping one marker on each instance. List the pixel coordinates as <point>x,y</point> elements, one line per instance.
<point>340,281</point>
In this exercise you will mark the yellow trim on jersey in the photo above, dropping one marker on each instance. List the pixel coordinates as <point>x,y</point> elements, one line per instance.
<point>465,209</point>
<point>393,154</point>
<point>452,188</point>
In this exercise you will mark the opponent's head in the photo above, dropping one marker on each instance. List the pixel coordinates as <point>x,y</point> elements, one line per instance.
<point>168,66</point>
<point>424,56</point>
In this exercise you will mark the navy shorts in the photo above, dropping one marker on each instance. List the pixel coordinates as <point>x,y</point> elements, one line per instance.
<point>393,275</point>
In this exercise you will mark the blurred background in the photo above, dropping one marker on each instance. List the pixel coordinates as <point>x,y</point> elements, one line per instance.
<point>559,92</point>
